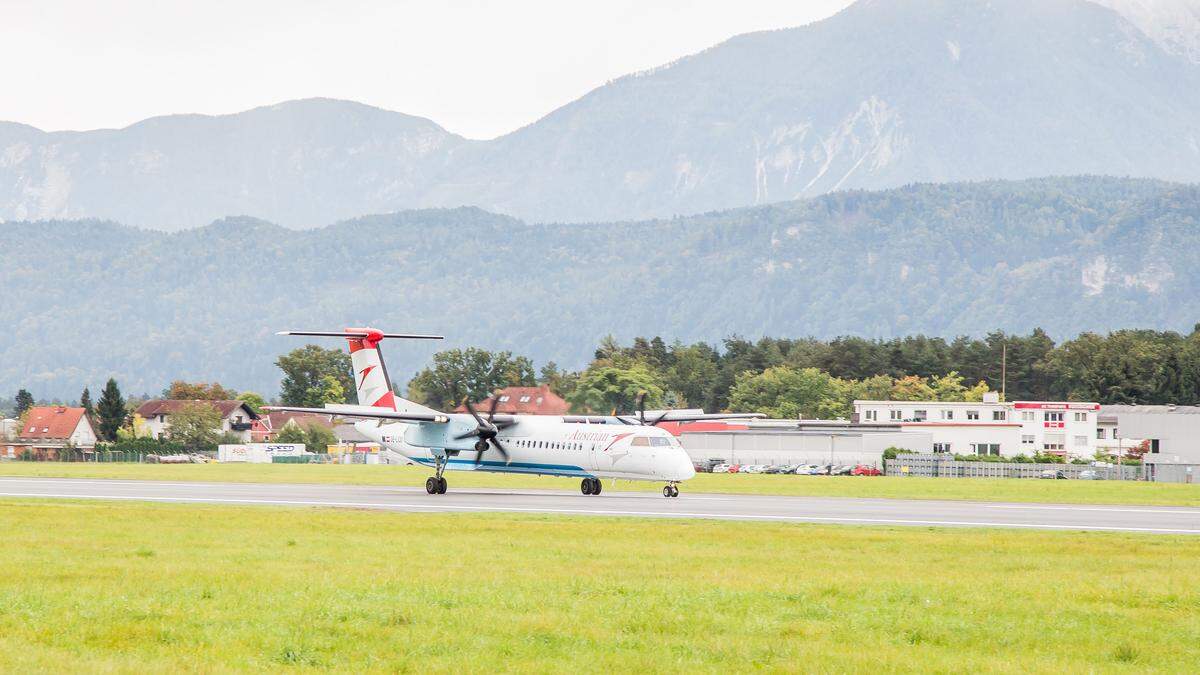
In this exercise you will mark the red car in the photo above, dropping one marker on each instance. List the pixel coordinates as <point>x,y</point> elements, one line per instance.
<point>864,470</point>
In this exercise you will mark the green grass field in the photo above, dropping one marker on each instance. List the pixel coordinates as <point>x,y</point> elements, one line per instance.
<point>148,587</point>
<point>1042,491</point>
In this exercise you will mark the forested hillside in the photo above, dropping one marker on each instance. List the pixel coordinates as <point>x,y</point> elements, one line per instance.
<point>84,300</point>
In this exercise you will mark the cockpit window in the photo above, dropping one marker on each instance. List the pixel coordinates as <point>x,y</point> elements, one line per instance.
<point>659,442</point>
<point>640,441</point>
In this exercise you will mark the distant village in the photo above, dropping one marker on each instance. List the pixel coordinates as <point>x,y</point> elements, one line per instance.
<point>813,417</point>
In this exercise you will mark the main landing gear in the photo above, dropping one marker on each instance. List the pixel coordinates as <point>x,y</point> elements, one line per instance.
<point>590,486</point>
<point>436,485</point>
<point>670,490</point>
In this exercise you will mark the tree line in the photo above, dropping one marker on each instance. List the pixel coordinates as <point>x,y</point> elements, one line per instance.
<point>782,377</point>
<point>786,377</point>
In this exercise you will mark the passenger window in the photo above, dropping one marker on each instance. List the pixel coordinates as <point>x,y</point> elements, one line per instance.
<point>641,441</point>
<point>659,442</point>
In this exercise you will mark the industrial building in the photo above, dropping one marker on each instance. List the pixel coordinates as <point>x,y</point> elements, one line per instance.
<point>1173,435</point>
<point>800,442</point>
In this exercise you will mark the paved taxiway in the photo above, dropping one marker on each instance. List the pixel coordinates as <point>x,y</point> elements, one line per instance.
<point>1154,519</point>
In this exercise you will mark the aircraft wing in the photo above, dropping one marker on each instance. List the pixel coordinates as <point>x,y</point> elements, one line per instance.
<point>367,412</point>
<point>700,417</point>
<point>680,416</point>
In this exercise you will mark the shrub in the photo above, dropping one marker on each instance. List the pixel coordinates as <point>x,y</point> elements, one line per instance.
<point>143,446</point>
<point>891,452</point>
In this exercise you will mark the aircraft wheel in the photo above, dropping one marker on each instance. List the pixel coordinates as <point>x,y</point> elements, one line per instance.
<point>674,491</point>
<point>597,486</point>
<point>667,491</point>
<point>442,486</point>
<point>432,485</point>
<point>480,446</point>
<point>585,486</point>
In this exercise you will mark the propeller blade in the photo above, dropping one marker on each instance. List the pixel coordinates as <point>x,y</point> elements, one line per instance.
<point>500,448</point>
<point>641,407</point>
<point>660,418</point>
<point>473,432</point>
<point>492,409</point>
<point>471,409</point>
<point>478,457</point>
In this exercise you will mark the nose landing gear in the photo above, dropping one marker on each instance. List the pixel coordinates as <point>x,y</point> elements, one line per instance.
<point>590,486</point>
<point>670,490</point>
<point>436,484</point>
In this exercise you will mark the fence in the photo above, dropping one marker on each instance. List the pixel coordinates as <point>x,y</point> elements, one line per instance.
<point>945,466</point>
<point>73,455</point>
<point>1173,473</point>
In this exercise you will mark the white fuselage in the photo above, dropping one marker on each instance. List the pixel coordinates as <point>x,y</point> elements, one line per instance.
<point>543,445</point>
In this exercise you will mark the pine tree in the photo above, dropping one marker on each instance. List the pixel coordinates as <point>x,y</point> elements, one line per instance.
<point>85,402</point>
<point>111,410</point>
<point>24,402</point>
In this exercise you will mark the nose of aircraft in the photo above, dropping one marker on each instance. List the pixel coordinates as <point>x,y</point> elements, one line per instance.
<point>684,469</point>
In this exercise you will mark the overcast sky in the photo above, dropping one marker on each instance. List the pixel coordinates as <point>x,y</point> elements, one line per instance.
<point>477,68</point>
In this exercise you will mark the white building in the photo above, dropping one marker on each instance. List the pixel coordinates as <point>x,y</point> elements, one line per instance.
<point>236,417</point>
<point>1058,427</point>
<point>991,426</point>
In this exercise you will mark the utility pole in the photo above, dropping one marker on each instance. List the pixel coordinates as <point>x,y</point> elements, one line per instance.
<point>1004,371</point>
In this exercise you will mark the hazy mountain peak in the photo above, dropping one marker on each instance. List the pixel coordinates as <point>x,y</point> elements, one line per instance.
<point>1173,24</point>
<point>884,93</point>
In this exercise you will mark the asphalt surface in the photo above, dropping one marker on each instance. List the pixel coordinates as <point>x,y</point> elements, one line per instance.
<point>1154,519</point>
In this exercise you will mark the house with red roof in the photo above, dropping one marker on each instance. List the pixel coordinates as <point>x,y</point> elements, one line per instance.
<point>237,417</point>
<point>45,430</point>
<point>267,426</point>
<point>524,401</point>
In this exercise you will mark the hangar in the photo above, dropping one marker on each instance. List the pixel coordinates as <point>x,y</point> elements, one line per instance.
<point>801,442</point>
<point>1173,432</point>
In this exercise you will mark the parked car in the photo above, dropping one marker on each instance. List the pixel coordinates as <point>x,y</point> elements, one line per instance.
<point>841,470</point>
<point>864,470</point>
<point>776,468</point>
<point>808,470</point>
<point>1052,474</point>
<point>735,468</point>
<point>721,468</point>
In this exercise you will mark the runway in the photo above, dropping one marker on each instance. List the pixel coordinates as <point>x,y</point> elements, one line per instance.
<point>919,513</point>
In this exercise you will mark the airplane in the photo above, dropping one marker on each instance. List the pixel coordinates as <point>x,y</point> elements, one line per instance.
<point>589,447</point>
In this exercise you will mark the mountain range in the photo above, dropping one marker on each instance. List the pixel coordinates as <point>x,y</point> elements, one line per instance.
<point>86,300</point>
<point>882,94</point>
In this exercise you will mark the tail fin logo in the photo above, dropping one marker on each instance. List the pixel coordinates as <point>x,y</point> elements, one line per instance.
<point>364,372</point>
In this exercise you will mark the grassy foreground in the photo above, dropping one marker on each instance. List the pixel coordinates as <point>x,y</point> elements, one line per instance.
<point>977,489</point>
<point>146,587</point>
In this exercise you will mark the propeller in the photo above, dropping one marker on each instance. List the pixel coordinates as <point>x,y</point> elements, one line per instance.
<point>641,413</point>
<point>485,430</point>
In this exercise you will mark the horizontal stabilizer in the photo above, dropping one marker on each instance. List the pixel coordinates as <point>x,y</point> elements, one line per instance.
<point>358,334</point>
